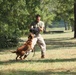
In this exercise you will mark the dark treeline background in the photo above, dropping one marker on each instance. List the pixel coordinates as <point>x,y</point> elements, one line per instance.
<point>16,16</point>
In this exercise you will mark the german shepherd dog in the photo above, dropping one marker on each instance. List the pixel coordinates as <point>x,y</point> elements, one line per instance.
<point>21,51</point>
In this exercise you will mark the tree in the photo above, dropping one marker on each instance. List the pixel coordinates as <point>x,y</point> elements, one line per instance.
<point>12,21</point>
<point>45,10</point>
<point>63,11</point>
<point>39,7</point>
<point>16,15</point>
<point>69,12</point>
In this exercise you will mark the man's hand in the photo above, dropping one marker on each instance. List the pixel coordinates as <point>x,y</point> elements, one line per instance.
<point>41,28</point>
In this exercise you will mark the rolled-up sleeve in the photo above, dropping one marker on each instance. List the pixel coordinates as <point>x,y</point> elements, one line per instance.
<point>41,24</point>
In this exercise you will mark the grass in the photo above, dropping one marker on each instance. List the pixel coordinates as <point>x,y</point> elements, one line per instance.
<point>60,58</point>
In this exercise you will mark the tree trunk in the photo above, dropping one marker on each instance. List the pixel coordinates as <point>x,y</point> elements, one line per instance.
<point>65,25</point>
<point>74,18</point>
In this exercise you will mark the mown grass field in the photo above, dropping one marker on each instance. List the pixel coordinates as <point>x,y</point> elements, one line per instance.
<point>60,58</point>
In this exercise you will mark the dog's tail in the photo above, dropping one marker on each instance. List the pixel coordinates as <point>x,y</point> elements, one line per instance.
<point>14,51</point>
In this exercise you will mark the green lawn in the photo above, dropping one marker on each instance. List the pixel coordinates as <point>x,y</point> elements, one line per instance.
<point>60,58</point>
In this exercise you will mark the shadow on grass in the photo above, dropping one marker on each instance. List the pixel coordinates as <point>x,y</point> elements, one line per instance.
<point>46,72</point>
<point>37,61</point>
<point>59,43</point>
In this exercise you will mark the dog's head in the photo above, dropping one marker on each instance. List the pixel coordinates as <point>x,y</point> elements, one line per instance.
<point>31,36</point>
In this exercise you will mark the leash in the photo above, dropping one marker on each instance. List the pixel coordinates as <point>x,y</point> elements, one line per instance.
<point>34,52</point>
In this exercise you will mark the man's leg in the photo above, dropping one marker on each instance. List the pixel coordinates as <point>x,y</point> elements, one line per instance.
<point>34,41</point>
<point>42,45</point>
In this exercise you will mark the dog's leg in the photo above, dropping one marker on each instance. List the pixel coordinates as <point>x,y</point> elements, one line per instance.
<point>17,57</point>
<point>25,56</point>
<point>20,57</point>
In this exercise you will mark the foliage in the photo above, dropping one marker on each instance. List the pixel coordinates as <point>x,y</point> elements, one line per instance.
<point>16,15</point>
<point>64,11</point>
<point>11,21</point>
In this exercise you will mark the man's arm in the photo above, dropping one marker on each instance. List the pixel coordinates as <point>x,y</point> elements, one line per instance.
<point>41,27</point>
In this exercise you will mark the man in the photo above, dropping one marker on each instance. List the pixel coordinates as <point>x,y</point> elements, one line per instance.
<point>36,27</point>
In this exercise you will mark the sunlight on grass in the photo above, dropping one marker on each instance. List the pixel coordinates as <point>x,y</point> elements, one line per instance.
<point>59,35</point>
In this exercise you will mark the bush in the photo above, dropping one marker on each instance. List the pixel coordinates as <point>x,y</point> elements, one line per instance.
<point>9,35</point>
<point>8,41</point>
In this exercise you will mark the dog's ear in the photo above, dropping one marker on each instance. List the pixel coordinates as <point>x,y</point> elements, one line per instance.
<point>31,36</point>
